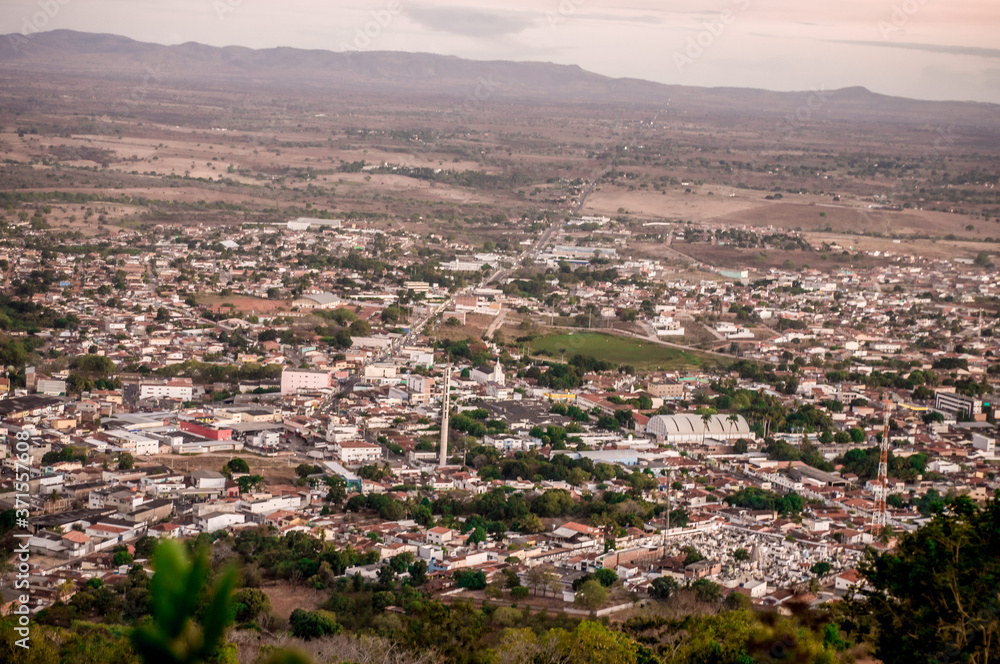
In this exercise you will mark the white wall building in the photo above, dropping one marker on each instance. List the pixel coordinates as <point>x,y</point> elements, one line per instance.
<point>134,444</point>
<point>353,453</point>
<point>487,374</point>
<point>687,428</point>
<point>213,521</point>
<point>177,388</point>
<point>293,380</point>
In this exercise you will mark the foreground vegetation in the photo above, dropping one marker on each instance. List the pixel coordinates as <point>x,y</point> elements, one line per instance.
<point>934,598</point>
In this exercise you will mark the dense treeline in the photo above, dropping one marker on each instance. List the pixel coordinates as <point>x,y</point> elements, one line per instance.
<point>864,464</point>
<point>752,498</point>
<point>219,373</point>
<point>934,598</point>
<point>21,315</point>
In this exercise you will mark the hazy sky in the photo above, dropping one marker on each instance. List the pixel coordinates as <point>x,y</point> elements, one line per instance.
<point>928,49</point>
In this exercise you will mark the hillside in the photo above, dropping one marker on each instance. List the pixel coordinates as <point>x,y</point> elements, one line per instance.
<point>388,73</point>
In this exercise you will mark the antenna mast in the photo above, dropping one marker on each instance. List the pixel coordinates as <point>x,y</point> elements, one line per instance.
<point>879,514</point>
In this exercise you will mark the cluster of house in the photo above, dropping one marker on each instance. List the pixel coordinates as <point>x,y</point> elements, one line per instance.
<point>378,403</point>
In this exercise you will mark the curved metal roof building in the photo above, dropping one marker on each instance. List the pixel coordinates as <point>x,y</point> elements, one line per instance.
<point>690,428</point>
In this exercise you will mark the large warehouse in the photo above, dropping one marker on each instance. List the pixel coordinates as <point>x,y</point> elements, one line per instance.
<point>687,428</point>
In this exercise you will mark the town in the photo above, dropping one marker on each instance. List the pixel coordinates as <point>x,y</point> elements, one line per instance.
<point>495,418</point>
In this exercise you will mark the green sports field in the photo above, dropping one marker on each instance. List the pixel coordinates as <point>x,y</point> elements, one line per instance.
<point>619,350</point>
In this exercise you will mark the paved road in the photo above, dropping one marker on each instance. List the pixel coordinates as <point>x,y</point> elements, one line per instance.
<point>495,325</point>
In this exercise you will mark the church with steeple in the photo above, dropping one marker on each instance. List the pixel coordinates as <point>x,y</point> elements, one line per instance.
<point>489,374</point>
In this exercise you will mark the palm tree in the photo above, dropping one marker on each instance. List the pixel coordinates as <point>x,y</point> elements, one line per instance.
<point>706,419</point>
<point>733,420</point>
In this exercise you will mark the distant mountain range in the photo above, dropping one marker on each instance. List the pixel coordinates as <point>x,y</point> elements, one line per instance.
<point>390,73</point>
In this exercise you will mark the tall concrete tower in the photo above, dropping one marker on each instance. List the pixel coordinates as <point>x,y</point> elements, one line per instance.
<point>445,408</point>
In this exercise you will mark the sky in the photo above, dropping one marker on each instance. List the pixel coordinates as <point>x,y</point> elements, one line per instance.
<point>923,49</point>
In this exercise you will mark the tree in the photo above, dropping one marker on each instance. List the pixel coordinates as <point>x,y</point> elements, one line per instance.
<point>360,328</point>
<point>663,587</point>
<point>236,465</point>
<point>822,568</point>
<point>126,461</point>
<point>593,643</point>
<point>250,603</point>
<point>306,469</point>
<point>310,625</point>
<point>692,555</point>
<point>606,577</point>
<point>473,580</point>
<point>386,577</point>
<point>121,558</point>
<point>145,546</point>
<point>741,555</point>
<point>530,523</point>
<point>418,573</point>
<point>337,486</point>
<point>541,577</point>
<point>518,592</point>
<point>591,595</point>
<point>707,591</point>
<point>401,562</point>
<point>478,535</point>
<point>934,598</point>
<point>706,420</point>
<point>250,483</point>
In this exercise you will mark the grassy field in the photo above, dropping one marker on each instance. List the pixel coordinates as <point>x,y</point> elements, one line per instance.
<point>620,350</point>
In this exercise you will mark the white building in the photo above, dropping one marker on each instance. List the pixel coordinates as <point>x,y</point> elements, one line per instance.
<point>688,428</point>
<point>755,588</point>
<point>354,453</point>
<point>208,479</point>
<point>440,535</point>
<point>987,445</point>
<point>177,388</point>
<point>294,380</point>
<point>666,326</point>
<point>213,521</point>
<point>740,333</point>
<point>133,443</point>
<point>258,509</point>
<point>487,374</point>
